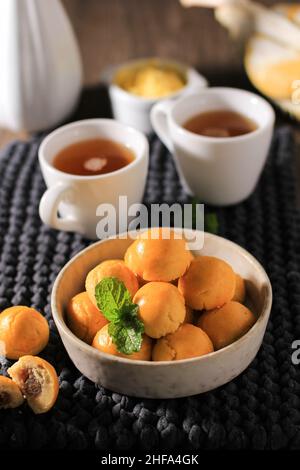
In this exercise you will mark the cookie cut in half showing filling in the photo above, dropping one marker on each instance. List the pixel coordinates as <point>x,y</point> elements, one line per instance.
<point>38,382</point>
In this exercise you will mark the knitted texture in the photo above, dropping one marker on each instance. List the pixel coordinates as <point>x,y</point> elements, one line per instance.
<point>260,409</point>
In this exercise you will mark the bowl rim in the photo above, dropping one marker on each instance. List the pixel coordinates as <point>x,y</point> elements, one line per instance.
<point>109,73</point>
<point>265,310</point>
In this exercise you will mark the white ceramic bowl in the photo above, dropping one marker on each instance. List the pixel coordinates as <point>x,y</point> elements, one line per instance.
<point>169,379</point>
<point>135,110</point>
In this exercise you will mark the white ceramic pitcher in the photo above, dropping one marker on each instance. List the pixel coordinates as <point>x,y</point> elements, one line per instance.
<point>40,65</point>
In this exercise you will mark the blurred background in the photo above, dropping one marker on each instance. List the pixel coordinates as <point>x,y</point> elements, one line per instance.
<point>111,31</point>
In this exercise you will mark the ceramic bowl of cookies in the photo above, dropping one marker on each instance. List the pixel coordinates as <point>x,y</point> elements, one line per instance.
<point>144,315</point>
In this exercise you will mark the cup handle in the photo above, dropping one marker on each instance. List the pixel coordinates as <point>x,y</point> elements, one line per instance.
<point>48,209</point>
<point>159,120</point>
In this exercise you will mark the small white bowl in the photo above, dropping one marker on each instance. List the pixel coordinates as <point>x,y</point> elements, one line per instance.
<point>134,110</point>
<point>169,379</point>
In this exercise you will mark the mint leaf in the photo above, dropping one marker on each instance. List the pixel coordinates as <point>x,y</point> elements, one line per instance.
<point>129,311</point>
<point>127,336</point>
<point>136,323</point>
<point>125,327</point>
<point>112,297</point>
<point>211,223</point>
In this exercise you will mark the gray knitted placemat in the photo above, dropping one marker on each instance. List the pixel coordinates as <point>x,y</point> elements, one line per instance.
<point>260,409</point>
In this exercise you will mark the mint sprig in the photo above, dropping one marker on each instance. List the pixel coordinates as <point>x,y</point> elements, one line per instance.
<point>211,223</point>
<point>127,335</point>
<point>112,298</point>
<point>125,327</point>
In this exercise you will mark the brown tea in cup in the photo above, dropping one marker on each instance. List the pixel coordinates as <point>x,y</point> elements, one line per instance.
<point>220,123</point>
<point>93,157</point>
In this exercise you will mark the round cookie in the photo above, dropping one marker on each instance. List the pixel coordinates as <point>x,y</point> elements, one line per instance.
<point>227,324</point>
<point>158,256</point>
<point>188,341</point>
<point>161,308</point>
<point>111,268</point>
<point>240,289</point>
<point>103,342</point>
<point>84,318</point>
<point>23,331</point>
<point>208,283</point>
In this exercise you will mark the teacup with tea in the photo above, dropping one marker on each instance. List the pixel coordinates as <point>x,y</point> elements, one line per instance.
<point>88,163</point>
<point>220,139</point>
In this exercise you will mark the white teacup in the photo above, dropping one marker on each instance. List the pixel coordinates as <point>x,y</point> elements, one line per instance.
<point>75,197</point>
<point>220,171</point>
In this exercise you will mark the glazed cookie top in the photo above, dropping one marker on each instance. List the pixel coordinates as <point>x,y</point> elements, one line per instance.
<point>188,341</point>
<point>111,268</point>
<point>161,308</point>
<point>227,324</point>
<point>157,255</point>
<point>208,283</point>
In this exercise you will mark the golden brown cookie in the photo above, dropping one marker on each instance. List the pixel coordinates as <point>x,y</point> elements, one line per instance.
<point>84,318</point>
<point>240,289</point>
<point>103,342</point>
<point>188,341</point>
<point>23,331</point>
<point>208,283</point>
<point>227,324</point>
<point>111,268</point>
<point>155,258</point>
<point>161,308</point>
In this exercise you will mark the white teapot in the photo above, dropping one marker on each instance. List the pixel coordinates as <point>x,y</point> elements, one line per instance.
<point>40,65</point>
